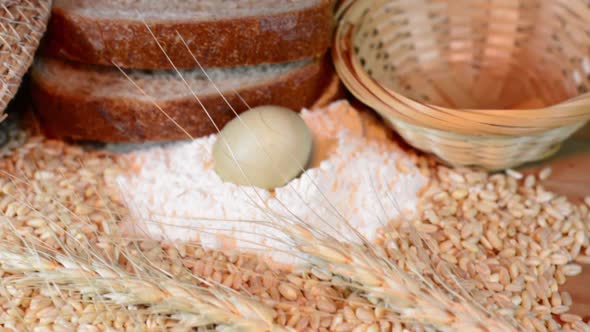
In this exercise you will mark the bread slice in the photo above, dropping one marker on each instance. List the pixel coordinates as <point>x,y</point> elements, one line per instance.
<point>219,32</point>
<point>96,103</point>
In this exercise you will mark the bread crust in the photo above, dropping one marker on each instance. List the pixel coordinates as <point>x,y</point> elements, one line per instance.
<point>271,38</point>
<point>66,114</point>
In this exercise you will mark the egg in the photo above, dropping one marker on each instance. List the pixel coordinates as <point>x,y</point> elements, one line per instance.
<point>265,147</point>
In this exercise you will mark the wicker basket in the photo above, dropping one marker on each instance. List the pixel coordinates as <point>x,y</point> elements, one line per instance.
<point>487,83</point>
<point>22,24</point>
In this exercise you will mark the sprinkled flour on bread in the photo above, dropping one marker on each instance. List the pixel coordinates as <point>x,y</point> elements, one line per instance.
<point>357,174</point>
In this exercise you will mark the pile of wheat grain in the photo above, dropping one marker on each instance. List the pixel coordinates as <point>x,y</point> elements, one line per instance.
<point>65,267</point>
<point>512,243</point>
<point>489,255</point>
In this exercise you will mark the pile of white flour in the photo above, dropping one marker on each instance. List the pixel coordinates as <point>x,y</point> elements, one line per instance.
<point>357,176</point>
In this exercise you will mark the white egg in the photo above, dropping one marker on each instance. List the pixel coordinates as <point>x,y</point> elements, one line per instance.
<point>266,147</point>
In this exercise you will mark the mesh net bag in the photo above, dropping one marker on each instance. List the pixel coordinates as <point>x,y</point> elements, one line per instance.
<point>22,24</point>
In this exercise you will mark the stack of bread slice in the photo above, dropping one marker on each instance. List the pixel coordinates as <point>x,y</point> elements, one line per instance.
<point>151,70</point>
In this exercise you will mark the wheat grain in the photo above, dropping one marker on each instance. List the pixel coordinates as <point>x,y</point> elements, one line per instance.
<point>508,246</point>
<point>538,253</point>
<point>165,296</point>
<point>394,287</point>
<point>549,245</point>
<point>545,173</point>
<point>75,229</point>
<point>54,217</point>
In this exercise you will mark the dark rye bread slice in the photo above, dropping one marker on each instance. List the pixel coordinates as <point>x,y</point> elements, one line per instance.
<point>220,33</point>
<point>96,103</point>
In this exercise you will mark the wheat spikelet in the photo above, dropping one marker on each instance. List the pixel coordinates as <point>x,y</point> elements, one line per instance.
<point>202,306</point>
<point>64,254</point>
<point>414,298</point>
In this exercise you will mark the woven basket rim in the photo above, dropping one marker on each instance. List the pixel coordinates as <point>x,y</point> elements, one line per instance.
<point>22,27</point>
<point>474,137</point>
<point>567,112</point>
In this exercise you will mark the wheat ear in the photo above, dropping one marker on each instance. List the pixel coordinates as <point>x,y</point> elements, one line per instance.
<point>414,298</point>
<point>200,306</point>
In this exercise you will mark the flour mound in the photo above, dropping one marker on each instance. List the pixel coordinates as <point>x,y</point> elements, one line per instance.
<point>358,181</point>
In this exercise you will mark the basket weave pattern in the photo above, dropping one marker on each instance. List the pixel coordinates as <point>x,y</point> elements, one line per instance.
<point>22,24</point>
<point>489,83</point>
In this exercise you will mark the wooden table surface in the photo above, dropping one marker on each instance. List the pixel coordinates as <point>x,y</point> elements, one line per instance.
<point>571,177</point>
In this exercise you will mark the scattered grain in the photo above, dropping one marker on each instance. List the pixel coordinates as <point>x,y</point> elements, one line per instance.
<point>513,243</point>
<point>288,291</point>
<point>514,174</point>
<point>545,173</point>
